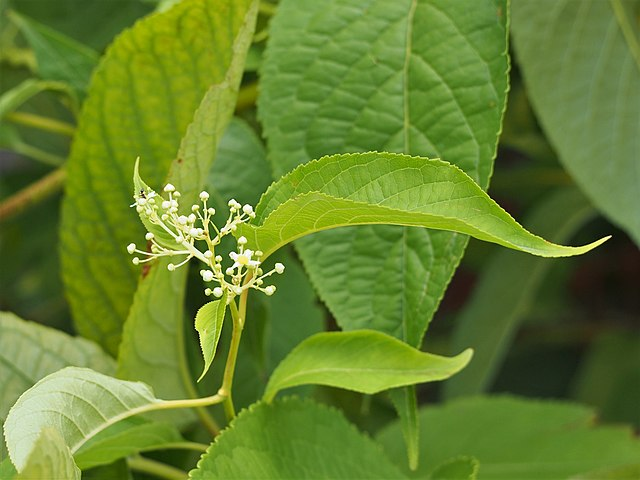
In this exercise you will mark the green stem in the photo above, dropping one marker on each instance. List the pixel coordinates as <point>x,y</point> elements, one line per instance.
<point>195,446</point>
<point>42,123</point>
<point>37,154</point>
<point>32,195</point>
<point>158,469</point>
<point>267,8</point>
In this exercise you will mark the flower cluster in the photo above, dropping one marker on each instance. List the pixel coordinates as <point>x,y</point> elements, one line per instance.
<point>180,233</point>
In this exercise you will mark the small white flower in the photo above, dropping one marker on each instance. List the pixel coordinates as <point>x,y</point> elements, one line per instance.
<point>169,188</point>
<point>248,209</point>
<point>204,196</point>
<point>217,292</point>
<point>131,248</point>
<point>149,236</point>
<point>243,259</point>
<point>207,275</point>
<point>278,267</point>
<point>270,290</point>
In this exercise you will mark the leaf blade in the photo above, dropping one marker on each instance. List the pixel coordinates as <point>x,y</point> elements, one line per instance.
<point>362,361</point>
<point>208,323</point>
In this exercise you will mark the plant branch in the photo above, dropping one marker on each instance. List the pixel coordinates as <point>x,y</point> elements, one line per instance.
<point>32,194</point>
<point>156,468</point>
<point>42,123</point>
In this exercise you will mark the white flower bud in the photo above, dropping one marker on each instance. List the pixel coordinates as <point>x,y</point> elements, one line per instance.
<point>229,271</point>
<point>208,291</point>
<point>171,267</point>
<point>217,292</point>
<point>182,220</point>
<point>166,204</point>
<point>242,240</point>
<point>131,248</point>
<point>248,209</point>
<point>204,196</point>
<point>169,188</point>
<point>211,211</point>
<point>141,201</point>
<point>208,254</point>
<point>176,194</point>
<point>192,218</point>
<point>149,236</point>
<point>207,275</point>
<point>270,290</point>
<point>258,253</point>
<point>193,232</point>
<point>278,267</point>
<point>218,258</point>
<point>139,209</point>
<point>179,239</point>
<point>135,260</point>
<point>237,290</point>
<point>195,208</point>
<point>174,203</point>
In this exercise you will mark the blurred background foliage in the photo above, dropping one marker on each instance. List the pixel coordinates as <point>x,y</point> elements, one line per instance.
<point>570,327</point>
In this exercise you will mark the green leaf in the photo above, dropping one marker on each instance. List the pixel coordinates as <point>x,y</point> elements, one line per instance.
<point>30,352</point>
<point>140,102</point>
<point>370,188</point>
<point>516,438</point>
<point>124,438</point>
<point>463,468</point>
<point>272,441</point>
<point>209,320</point>
<point>625,472</point>
<point>7,470</point>
<point>487,325</point>
<point>80,404</point>
<point>414,76</point>
<point>58,57</point>
<point>157,310</point>
<point>364,361</point>
<point>581,65</point>
<point>50,458</point>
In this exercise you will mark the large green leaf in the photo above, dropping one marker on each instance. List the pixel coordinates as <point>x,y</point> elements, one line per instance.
<point>516,438</point>
<point>292,438</point>
<point>81,404</point>
<point>424,77</point>
<point>50,458</point>
<point>488,325</point>
<point>30,352</point>
<point>368,188</point>
<point>581,65</point>
<point>58,57</point>
<point>141,99</point>
<point>364,361</point>
<point>157,310</point>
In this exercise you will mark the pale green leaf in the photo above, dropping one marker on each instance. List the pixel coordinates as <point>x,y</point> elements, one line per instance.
<point>516,438</point>
<point>208,323</point>
<point>140,102</point>
<point>80,404</point>
<point>30,351</point>
<point>423,77</point>
<point>125,438</point>
<point>153,333</point>
<point>488,325</point>
<point>581,65</point>
<point>50,458</point>
<point>375,188</point>
<point>58,57</point>
<point>364,361</point>
<point>273,441</point>
<point>461,468</point>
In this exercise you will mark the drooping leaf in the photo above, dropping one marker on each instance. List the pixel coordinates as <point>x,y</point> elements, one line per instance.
<point>273,441</point>
<point>364,361</point>
<point>581,65</point>
<point>58,57</point>
<point>140,101</point>
<point>516,438</point>
<point>30,352</point>
<point>423,77</point>
<point>370,188</point>
<point>50,458</point>
<point>208,323</point>
<point>15,97</point>
<point>80,404</point>
<point>157,309</point>
<point>488,325</point>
